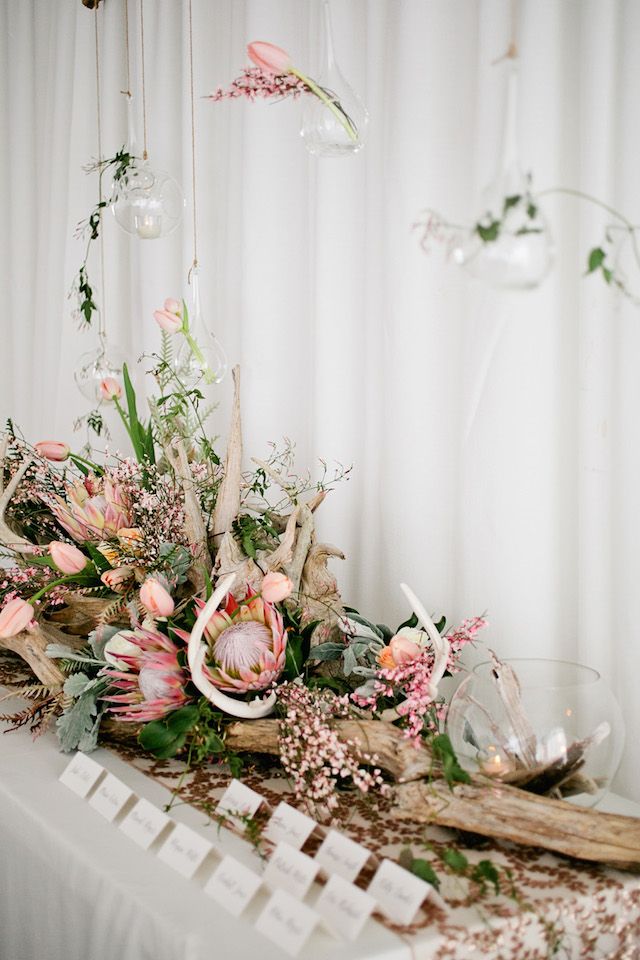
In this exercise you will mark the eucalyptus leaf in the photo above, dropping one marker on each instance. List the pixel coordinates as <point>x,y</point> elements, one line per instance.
<point>78,683</point>
<point>77,722</point>
<point>59,651</point>
<point>327,651</point>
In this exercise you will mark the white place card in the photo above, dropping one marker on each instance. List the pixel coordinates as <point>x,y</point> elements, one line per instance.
<point>338,854</point>
<point>144,823</point>
<point>289,869</point>
<point>184,850</point>
<point>238,798</point>
<point>287,922</point>
<point>80,774</point>
<point>110,797</point>
<point>290,825</point>
<point>233,885</point>
<point>344,908</point>
<point>400,893</point>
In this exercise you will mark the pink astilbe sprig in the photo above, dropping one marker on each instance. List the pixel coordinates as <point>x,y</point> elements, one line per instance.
<point>313,755</point>
<point>410,682</point>
<point>255,83</point>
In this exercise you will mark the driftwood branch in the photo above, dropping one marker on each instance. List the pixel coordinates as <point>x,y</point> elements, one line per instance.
<point>31,646</point>
<point>228,500</point>
<point>7,535</point>
<point>194,525</point>
<point>496,811</point>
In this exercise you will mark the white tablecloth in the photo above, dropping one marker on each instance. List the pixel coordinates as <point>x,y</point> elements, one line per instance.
<point>73,887</point>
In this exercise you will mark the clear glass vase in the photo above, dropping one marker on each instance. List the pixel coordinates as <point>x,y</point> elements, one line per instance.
<point>510,245</point>
<point>562,734</point>
<point>334,123</point>
<point>93,367</point>
<point>201,358</point>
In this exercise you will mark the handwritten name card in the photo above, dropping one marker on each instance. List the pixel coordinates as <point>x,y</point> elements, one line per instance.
<point>110,797</point>
<point>239,799</point>
<point>144,823</point>
<point>184,850</point>
<point>290,825</point>
<point>338,854</point>
<point>287,922</point>
<point>233,885</point>
<point>80,774</point>
<point>290,870</point>
<point>400,893</point>
<point>344,908</point>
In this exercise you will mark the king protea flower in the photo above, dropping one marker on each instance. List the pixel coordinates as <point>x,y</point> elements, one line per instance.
<point>248,645</point>
<point>94,509</point>
<point>151,682</point>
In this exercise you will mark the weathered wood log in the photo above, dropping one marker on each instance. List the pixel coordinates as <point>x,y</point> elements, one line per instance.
<point>31,646</point>
<point>194,525</point>
<point>508,813</point>
<point>483,807</point>
<point>80,615</point>
<point>8,537</point>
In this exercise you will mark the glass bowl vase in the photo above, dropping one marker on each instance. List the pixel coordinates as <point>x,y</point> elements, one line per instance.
<point>549,726</point>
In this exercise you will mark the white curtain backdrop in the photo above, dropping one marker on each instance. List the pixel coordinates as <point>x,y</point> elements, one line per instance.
<point>494,435</point>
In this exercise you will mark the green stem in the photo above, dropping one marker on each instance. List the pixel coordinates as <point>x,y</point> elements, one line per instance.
<point>328,102</point>
<point>50,586</point>
<point>200,357</point>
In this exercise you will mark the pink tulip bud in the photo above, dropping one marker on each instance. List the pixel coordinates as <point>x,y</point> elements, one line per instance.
<point>67,558</point>
<point>173,306</point>
<point>156,599</point>
<point>15,617</point>
<point>53,450</point>
<point>117,579</point>
<point>168,321</point>
<point>110,389</point>
<point>268,57</point>
<point>275,587</point>
<point>403,650</point>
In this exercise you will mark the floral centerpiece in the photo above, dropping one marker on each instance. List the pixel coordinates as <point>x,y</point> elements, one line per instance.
<point>181,600</point>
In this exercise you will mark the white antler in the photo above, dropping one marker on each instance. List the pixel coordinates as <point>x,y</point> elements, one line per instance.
<point>439,643</point>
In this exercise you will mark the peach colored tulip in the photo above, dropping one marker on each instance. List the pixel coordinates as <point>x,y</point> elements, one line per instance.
<point>269,57</point>
<point>53,450</point>
<point>403,650</point>
<point>275,587</point>
<point>156,599</point>
<point>110,389</point>
<point>15,617</point>
<point>67,558</point>
<point>168,321</point>
<point>117,579</point>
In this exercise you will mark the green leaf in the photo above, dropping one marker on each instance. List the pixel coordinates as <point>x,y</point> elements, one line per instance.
<point>182,720</point>
<point>386,631</point>
<point>366,623</point>
<point>596,259</point>
<point>444,752</point>
<point>215,744</point>
<point>411,622</point>
<point>294,657</point>
<point>441,624</point>
<point>327,651</point>
<point>235,764</point>
<point>485,871</point>
<point>510,202</point>
<point>490,232</point>
<point>149,447</point>
<point>78,721</point>
<point>607,274</point>
<point>77,683</point>
<point>454,859</point>
<point>424,870</point>
<point>532,210</point>
<point>134,424</point>
<point>100,562</point>
<point>156,737</point>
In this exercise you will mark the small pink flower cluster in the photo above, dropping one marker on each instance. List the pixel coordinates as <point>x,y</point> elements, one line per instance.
<point>412,681</point>
<point>256,82</point>
<point>311,752</point>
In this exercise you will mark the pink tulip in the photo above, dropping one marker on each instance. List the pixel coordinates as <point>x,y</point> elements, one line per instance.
<point>156,599</point>
<point>275,587</point>
<point>67,558</point>
<point>110,389</point>
<point>15,617</point>
<point>168,321</point>
<point>172,305</point>
<point>403,650</point>
<point>269,57</point>
<point>53,450</point>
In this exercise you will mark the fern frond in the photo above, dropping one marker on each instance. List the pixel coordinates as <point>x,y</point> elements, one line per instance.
<point>113,610</point>
<point>30,691</point>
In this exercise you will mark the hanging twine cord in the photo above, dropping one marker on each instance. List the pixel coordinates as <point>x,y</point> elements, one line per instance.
<point>511,53</point>
<point>193,146</point>
<point>101,313</point>
<point>144,88</point>
<point>127,92</point>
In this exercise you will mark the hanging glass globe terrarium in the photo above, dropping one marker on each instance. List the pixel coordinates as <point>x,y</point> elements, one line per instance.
<point>95,366</point>
<point>201,358</point>
<point>148,203</point>
<point>510,245</point>
<point>334,118</point>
